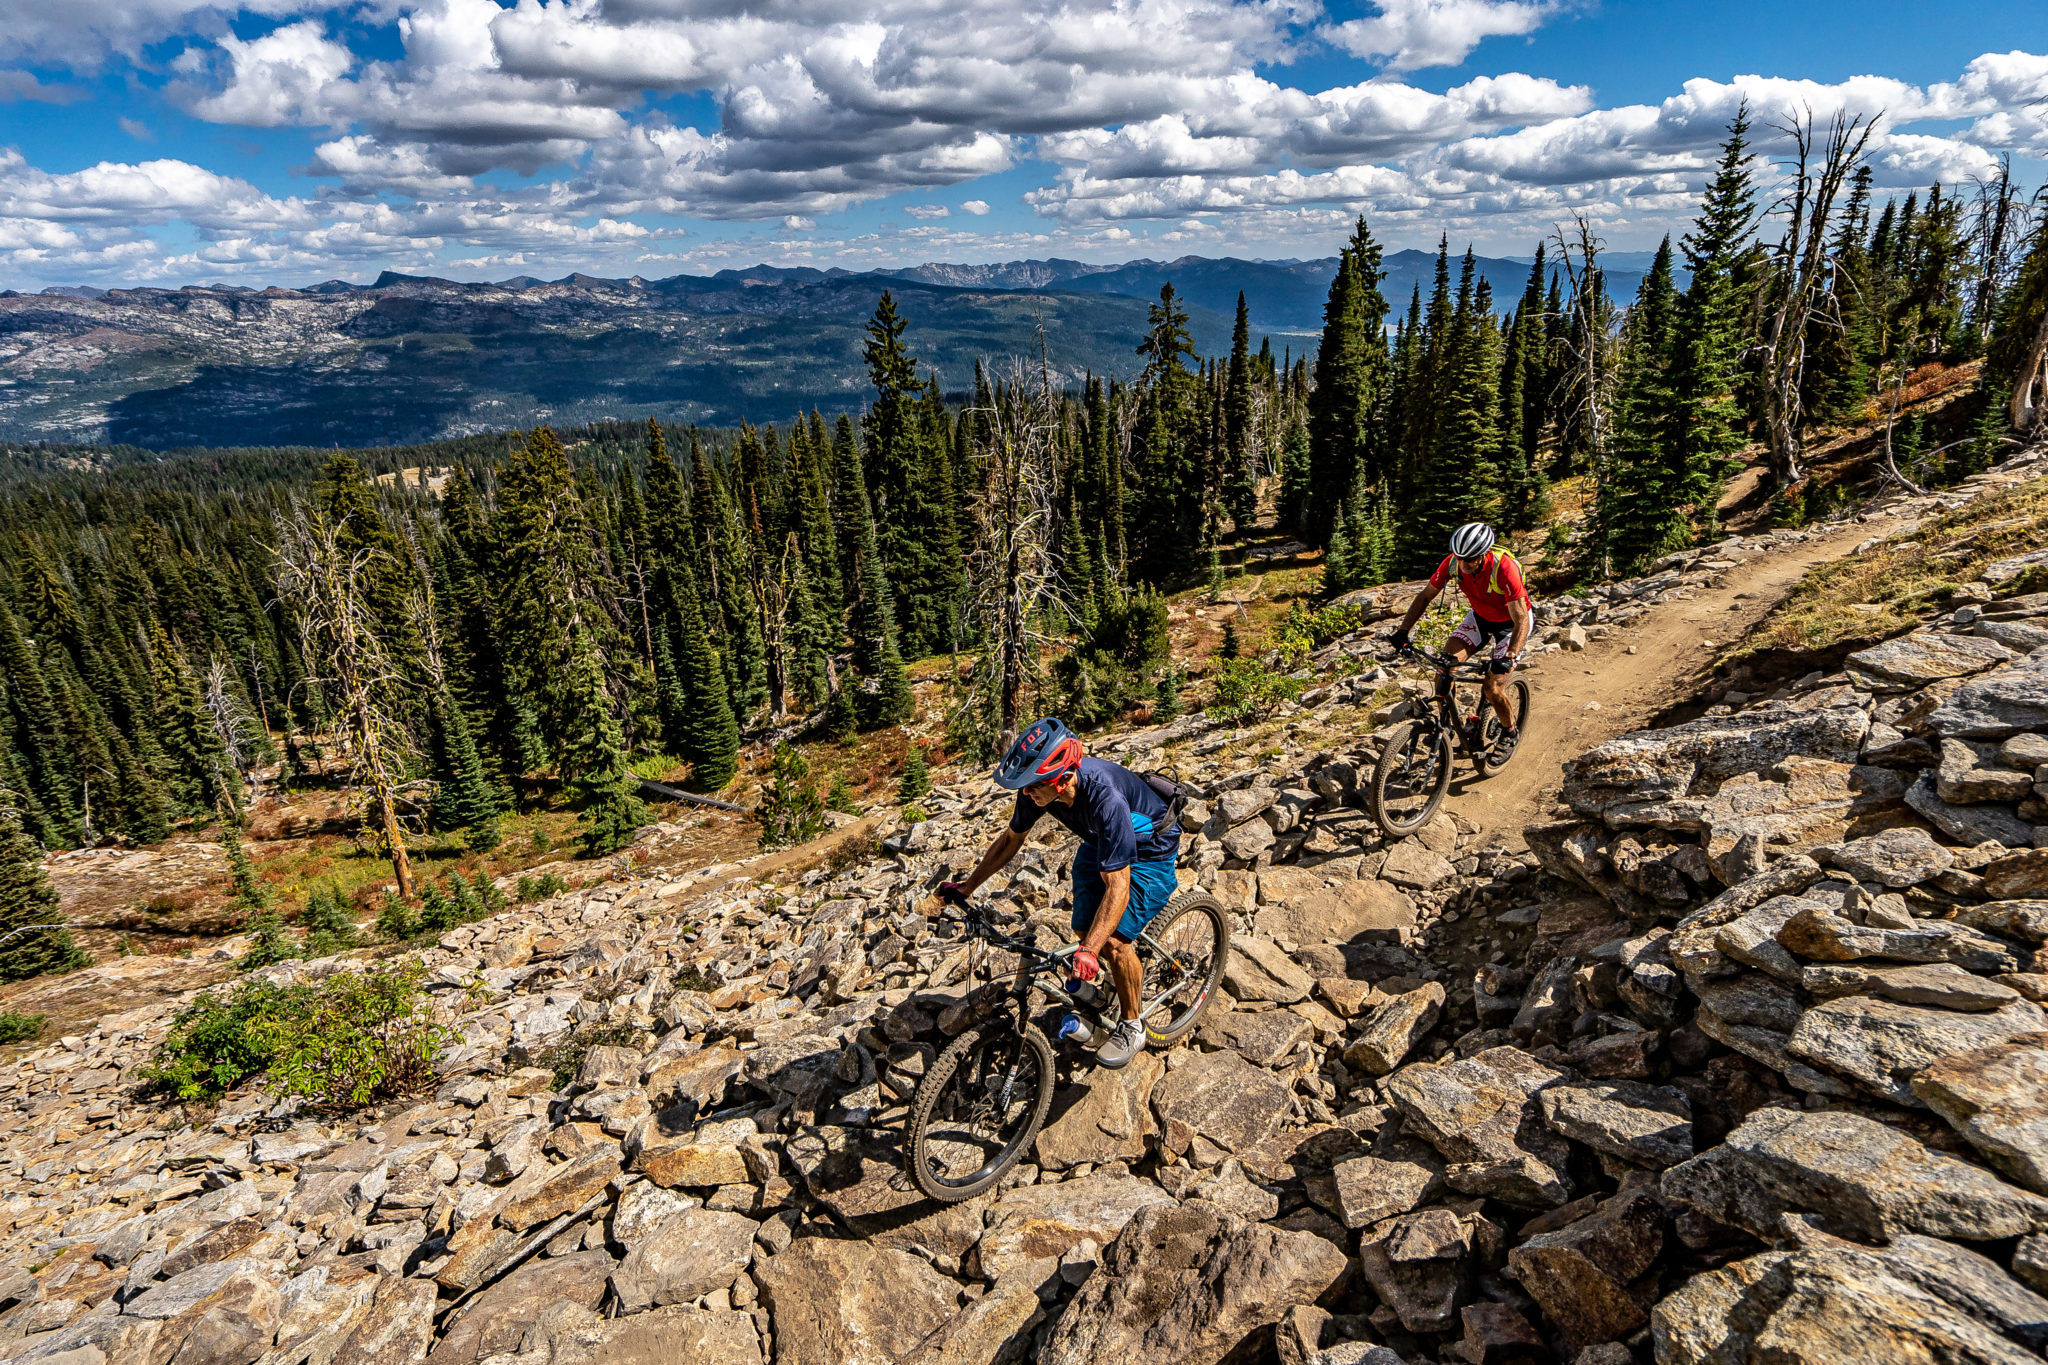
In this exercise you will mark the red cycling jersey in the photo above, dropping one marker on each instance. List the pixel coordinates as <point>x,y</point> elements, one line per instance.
<point>1489,588</point>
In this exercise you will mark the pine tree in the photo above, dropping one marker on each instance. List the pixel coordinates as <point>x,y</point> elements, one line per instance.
<point>595,773</point>
<point>26,897</point>
<point>464,798</point>
<point>707,736</point>
<point>1241,476</point>
<point>39,733</point>
<point>1707,326</point>
<point>1461,481</point>
<point>887,699</point>
<point>790,811</point>
<point>915,782</point>
<point>1644,495</point>
<point>1351,378</point>
<point>1166,514</point>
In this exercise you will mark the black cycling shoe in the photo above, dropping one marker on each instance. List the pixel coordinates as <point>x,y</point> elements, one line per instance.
<point>1504,745</point>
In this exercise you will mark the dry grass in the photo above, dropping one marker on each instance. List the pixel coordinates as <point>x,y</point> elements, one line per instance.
<point>1900,583</point>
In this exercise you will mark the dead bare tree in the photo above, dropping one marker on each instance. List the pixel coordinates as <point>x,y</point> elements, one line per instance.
<point>229,719</point>
<point>323,585</point>
<point>1799,274</point>
<point>1012,575</point>
<point>2001,208</point>
<point>1587,385</point>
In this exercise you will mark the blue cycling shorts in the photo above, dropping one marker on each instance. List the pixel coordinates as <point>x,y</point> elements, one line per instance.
<point>1153,884</point>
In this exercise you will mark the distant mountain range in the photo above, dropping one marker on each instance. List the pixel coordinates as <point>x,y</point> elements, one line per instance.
<point>409,358</point>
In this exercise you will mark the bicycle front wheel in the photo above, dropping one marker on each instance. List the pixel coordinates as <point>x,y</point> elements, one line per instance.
<point>977,1109</point>
<point>1184,951</point>
<point>1411,778</point>
<point>1490,731</point>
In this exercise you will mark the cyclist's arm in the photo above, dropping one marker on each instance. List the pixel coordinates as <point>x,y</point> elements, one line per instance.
<point>1519,613</point>
<point>1116,894</point>
<point>1418,606</point>
<point>995,860</point>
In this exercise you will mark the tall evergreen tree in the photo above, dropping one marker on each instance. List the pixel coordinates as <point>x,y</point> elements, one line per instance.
<point>1706,424</point>
<point>1166,513</point>
<point>886,699</point>
<point>26,898</point>
<point>1241,490</point>
<point>1351,382</point>
<point>1646,490</point>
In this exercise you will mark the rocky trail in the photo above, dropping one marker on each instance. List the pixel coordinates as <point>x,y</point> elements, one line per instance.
<point>1583,698</point>
<point>1716,1043</point>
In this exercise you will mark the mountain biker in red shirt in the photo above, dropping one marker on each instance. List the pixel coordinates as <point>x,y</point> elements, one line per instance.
<point>1500,615</point>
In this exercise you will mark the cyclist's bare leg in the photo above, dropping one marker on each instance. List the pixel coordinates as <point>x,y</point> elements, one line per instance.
<point>1126,972</point>
<point>1495,690</point>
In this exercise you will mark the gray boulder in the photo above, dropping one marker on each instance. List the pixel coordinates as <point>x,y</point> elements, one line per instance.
<point>1258,970</point>
<point>1183,1284</point>
<point>1882,1045</point>
<point>693,1254</point>
<point>1416,1263</point>
<point>1997,705</point>
<point>1645,1125</point>
<point>1969,824</point>
<point>1394,1028</point>
<point>1481,1114</point>
<point>1582,1274</point>
<point>1654,765</point>
<point>1912,661</point>
<point>1893,857</point>
<point>1997,1098</point>
<point>1856,1177</point>
<point>846,1302</point>
<point>1297,905</point>
<point>1221,1097</point>
<point>1919,1300</point>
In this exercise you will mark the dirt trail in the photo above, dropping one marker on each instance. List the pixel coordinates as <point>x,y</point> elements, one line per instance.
<point>1582,699</point>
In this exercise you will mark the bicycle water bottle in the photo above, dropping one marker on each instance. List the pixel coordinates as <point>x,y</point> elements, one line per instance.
<point>1075,1029</point>
<point>1085,992</point>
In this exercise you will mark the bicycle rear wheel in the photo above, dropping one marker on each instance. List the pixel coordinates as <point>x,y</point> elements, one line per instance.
<point>1193,938</point>
<point>1490,731</point>
<point>1411,778</point>
<point>977,1109</point>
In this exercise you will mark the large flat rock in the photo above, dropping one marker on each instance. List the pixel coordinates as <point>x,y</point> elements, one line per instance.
<point>843,1302</point>
<point>1653,765</point>
<point>1914,660</point>
<point>1996,705</point>
<point>1222,1097</point>
<point>1481,1114</point>
<point>1103,1116</point>
<point>1997,1098</point>
<point>1856,1177</point>
<point>1297,905</point>
<point>1882,1045</point>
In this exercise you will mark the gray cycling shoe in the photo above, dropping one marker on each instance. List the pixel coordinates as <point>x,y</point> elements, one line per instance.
<point>1125,1041</point>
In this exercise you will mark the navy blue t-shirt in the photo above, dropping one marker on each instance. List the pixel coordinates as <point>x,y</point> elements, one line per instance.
<point>1115,810</point>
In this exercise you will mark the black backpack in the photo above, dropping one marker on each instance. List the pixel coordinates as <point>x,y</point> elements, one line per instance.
<point>1170,791</point>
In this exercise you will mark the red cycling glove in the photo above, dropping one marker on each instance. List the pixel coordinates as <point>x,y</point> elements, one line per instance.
<point>1086,967</point>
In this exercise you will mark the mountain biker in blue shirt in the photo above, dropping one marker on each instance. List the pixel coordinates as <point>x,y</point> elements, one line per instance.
<point>1123,871</point>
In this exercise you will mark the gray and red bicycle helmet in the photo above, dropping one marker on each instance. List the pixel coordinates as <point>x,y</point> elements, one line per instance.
<point>1044,752</point>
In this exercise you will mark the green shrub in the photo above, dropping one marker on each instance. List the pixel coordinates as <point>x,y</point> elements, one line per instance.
<point>328,926</point>
<point>358,1038</point>
<point>396,922</point>
<point>469,905</point>
<point>840,796</point>
<point>916,781</point>
<point>791,810</point>
<point>438,914</point>
<point>1132,629</point>
<point>1167,707</point>
<point>211,1047</point>
<point>540,888</point>
<point>565,1058</point>
<point>16,1027</point>
<point>914,815</point>
<point>1247,689</point>
<point>269,942</point>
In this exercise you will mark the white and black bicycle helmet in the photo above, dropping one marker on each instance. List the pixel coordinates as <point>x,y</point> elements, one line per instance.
<point>1472,540</point>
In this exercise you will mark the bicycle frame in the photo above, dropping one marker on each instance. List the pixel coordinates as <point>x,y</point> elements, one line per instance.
<point>1443,715</point>
<point>1034,962</point>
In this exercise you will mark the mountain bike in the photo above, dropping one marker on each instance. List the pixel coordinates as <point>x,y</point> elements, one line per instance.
<point>983,1101</point>
<point>1414,769</point>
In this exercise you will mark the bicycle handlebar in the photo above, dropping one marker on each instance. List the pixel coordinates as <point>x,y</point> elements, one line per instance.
<point>1437,660</point>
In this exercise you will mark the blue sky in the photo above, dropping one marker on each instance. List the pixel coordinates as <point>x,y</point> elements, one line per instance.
<point>163,142</point>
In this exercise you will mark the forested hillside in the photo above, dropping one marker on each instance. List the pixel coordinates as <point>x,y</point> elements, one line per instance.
<point>545,611</point>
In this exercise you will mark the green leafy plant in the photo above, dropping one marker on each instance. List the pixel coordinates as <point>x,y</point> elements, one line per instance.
<point>326,922</point>
<point>438,914</point>
<point>1247,689</point>
<point>915,815</point>
<point>359,1038</point>
<point>839,797</point>
<point>211,1047</point>
<point>17,1027</point>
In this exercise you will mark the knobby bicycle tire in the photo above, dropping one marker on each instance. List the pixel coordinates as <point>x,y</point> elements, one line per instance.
<point>1491,731</point>
<point>1189,903</point>
<point>1035,1052</point>
<point>1390,761</point>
